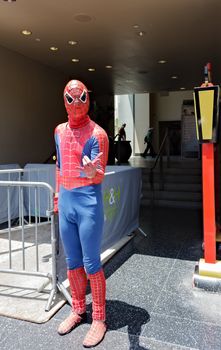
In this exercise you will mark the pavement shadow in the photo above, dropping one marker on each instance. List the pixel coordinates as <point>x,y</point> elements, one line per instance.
<point>126,318</point>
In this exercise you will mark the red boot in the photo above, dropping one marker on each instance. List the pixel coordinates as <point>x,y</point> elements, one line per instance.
<point>78,284</point>
<point>98,328</point>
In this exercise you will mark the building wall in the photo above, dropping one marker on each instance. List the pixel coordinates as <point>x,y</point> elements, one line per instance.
<point>166,107</point>
<point>124,113</point>
<point>102,112</point>
<point>134,110</point>
<point>141,121</point>
<point>31,105</point>
<point>140,111</point>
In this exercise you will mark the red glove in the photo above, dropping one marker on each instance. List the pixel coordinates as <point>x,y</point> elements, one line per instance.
<point>90,167</point>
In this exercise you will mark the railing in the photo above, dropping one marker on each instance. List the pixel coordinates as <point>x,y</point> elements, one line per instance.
<point>32,197</point>
<point>25,241</point>
<point>159,158</point>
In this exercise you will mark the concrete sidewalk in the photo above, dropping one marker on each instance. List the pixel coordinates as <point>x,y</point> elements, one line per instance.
<point>151,304</point>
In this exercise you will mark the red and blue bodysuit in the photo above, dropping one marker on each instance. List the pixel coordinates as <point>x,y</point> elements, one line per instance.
<point>82,152</point>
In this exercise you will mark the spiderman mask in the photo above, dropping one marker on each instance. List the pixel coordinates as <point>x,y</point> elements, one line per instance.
<point>76,100</point>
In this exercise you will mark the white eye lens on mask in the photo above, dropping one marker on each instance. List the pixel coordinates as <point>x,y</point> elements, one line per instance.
<point>83,97</point>
<point>68,98</point>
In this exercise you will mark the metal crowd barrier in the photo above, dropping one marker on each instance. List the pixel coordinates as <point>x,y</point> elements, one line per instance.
<point>29,210</point>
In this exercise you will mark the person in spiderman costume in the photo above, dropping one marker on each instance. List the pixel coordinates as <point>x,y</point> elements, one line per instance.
<point>82,153</point>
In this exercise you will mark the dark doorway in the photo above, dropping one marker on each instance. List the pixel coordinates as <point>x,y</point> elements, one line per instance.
<point>174,129</point>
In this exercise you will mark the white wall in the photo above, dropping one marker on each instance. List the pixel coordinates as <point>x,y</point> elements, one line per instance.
<point>31,105</point>
<point>134,110</point>
<point>124,114</point>
<point>169,107</point>
<point>141,121</point>
<point>166,108</point>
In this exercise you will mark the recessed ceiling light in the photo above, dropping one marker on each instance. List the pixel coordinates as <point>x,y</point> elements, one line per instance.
<point>182,88</point>
<point>91,69</point>
<point>136,26</point>
<point>174,77</point>
<point>75,59</point>
<point>162,61</point>
<point>141,33</point>
<point>54,48</point>
<point>26,32</point>
<point>108,67</point>
<point>72,42</point>
<point>37,39</point>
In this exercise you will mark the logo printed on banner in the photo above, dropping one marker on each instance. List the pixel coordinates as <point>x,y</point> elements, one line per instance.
<point>111,198</point>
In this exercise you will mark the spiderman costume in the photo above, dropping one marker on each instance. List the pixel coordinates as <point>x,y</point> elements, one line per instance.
<point>82,152</point>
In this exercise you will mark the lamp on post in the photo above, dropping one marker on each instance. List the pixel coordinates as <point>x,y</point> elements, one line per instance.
<point>206,102</point>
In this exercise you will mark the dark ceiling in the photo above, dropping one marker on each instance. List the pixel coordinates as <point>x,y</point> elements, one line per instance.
<point>185,33</point>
